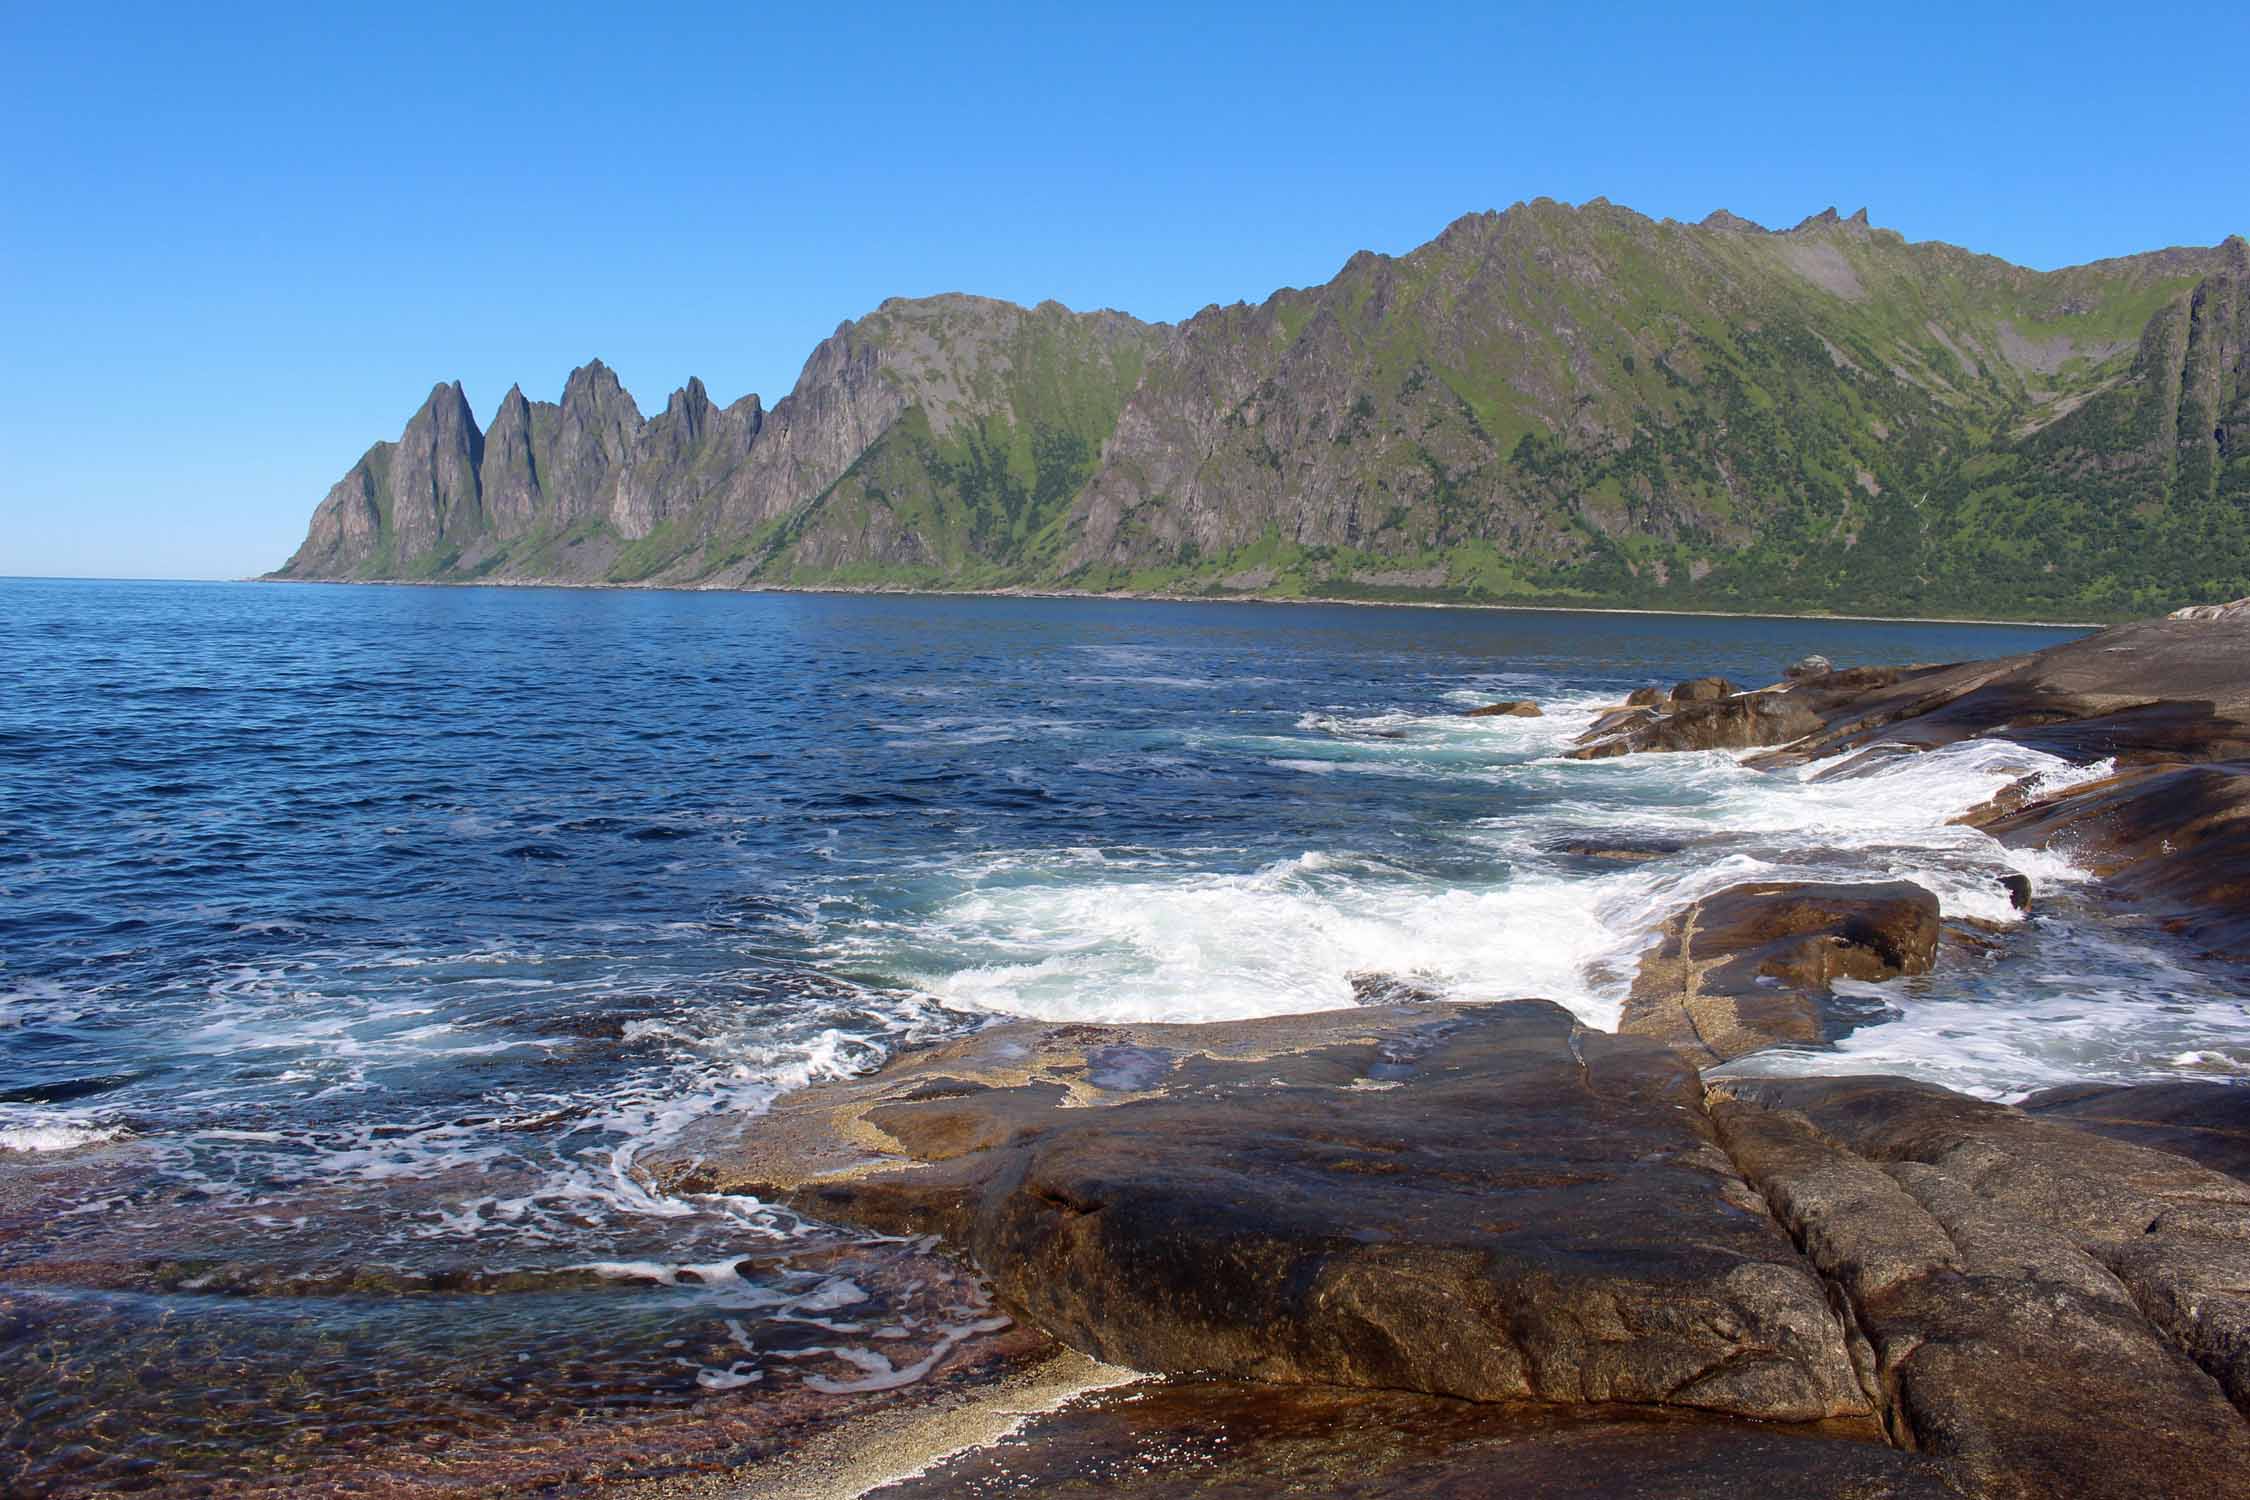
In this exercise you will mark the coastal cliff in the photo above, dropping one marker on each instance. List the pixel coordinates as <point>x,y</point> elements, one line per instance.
<point>1547,404</point>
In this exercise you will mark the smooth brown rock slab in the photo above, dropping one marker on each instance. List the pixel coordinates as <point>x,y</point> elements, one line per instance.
<point>2050,1309</point>
<point>1227,1441</point>
<point>1480,1201</point>
<point>2208,1123</point>
<point>1517,708</point>
<point>1750,966</point>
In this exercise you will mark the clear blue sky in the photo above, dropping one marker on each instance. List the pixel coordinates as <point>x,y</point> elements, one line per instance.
<point>239,243</point>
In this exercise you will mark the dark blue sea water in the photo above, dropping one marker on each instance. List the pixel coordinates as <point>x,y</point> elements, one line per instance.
<point>383,931</point>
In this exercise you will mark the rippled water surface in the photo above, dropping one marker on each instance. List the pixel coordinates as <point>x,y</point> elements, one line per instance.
<point>386,929</point>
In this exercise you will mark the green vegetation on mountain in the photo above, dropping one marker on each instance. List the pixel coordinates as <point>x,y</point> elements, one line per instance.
<point>1552,404</point>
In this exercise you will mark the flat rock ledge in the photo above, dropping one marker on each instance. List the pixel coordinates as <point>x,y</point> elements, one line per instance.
<point>1480,1201</point>
<point>1499,1218</point>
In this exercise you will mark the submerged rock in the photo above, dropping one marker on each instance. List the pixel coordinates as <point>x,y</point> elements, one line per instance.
<point>1750,966</point>
<point>1517,708</point>
<point>1373,987</point>
<point>1626,848</point>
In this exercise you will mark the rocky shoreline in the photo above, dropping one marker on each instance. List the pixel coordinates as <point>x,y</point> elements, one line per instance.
<point>1429,1248</point>
<point>1151,596</point>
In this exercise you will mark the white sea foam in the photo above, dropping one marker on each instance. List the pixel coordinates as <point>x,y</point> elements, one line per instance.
<point>2074,1004</point>
<point>1058,937</point>
<point>57,1136</point>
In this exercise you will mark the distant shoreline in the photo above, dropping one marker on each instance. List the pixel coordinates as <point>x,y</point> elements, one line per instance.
<point>1152,598</point>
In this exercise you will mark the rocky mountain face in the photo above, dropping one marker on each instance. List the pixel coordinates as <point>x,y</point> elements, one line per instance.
<point>1547,404</point>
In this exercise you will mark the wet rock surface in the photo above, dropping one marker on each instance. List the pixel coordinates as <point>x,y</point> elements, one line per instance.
<point>174,1346</point>
<point>1324,1223</point>
<point>1742,721</point>
<point>1222,1439</point>
<point>2208,1123</point>
<point>2173,840</point>
<point>2154,690</point>
<point>1704,690</point>
<point>1483,1201</point>
<point>1752,966</point>
<point>1514,708</point>
<point>2013,1285</point>
<point>1619,846</point>
<point>2167,701</point>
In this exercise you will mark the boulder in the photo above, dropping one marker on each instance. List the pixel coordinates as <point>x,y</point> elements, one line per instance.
<point>1644,697</point>
<point>2014,1284</point>
<point>1215,1439</point>
<point>1514,708</point>
<point>1478,1201</point>
<point>1751,966</point>
<point>1809,666</point>
<point>1704,690</point>
<point>1743,722</point>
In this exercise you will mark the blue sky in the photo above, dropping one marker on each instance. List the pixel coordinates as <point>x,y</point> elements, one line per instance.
<point>236,247</point>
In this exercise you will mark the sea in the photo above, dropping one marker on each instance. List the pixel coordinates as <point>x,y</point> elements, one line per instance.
<point>359,946</point>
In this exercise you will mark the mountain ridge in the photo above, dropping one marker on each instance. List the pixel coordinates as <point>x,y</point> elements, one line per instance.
<point>1545,404</point>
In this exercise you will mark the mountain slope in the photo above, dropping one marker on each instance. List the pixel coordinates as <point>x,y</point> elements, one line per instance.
<point>1551,403</point>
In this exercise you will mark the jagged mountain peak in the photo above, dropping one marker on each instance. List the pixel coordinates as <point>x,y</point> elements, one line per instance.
<point>594,383</point>
<point>447,397</point>
<point>1548,401</point>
